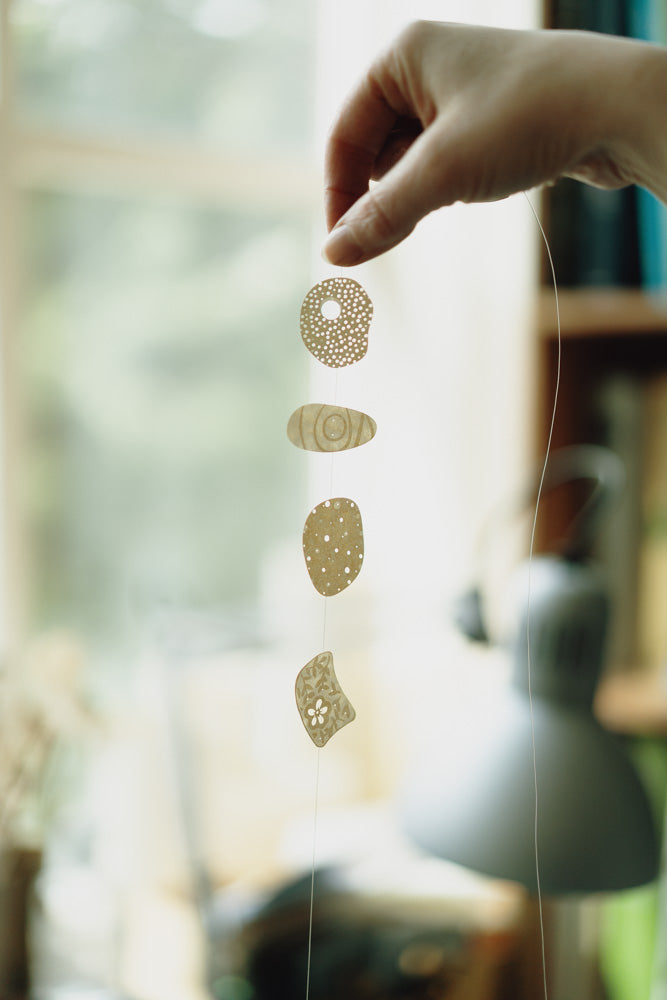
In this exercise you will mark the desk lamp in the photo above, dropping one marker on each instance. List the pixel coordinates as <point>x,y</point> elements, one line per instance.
<point>474,804</point>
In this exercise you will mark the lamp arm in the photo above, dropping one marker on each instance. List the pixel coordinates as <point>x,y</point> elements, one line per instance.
<point>583,461</point>
<point>607,471</point>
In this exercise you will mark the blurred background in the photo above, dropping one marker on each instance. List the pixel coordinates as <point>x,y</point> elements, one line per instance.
<point>160,223</point>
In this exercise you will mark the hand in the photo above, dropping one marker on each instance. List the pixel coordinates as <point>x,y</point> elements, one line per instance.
<point>456,113</point>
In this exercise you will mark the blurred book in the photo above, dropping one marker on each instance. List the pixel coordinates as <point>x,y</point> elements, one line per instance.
<point>652,590</point>
<point>647,20</point>
<point>593,236</point>
<point>594,232</point>
<point>619,408</point>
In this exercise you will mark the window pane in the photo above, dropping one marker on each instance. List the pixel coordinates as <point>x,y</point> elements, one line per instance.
<point>159,362</point>
<point>236,73</point>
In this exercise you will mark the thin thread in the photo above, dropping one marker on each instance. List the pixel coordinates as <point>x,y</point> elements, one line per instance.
<point>530,561</point>
<point>317,752</point>
<point>331,460</point>
<point>312,875</point>
<point>324,624</point>
<point>331,478</point>
<point>331,488</point>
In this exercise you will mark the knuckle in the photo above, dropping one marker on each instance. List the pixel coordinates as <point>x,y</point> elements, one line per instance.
<point>414,33</point>
<point>378,221</point>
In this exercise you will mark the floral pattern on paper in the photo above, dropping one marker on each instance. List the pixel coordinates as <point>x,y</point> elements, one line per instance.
<point>323,706</point>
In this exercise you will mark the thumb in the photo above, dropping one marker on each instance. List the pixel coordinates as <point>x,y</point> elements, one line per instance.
<point>391,209</point>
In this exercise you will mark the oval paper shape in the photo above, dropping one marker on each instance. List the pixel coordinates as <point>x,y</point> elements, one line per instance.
<point>333,545</point>
<point>322,703</point>
<point>335,318</point>
<point>321,427</point>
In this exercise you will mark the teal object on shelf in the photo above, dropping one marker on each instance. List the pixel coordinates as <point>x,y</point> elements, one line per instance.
<point>647,20</point>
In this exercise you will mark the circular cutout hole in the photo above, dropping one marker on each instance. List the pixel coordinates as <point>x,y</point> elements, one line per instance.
<point>330,309</point>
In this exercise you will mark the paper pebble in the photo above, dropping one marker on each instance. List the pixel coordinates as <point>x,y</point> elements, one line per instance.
<point>321,427</point>
<point>323,706</point>
<point>333,545</point>
<point>335,318</point>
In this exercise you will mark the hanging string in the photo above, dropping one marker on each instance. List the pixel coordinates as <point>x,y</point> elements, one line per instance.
<point>331,465</point>
<point>528,649</point>
<point>312,874</point>
<point>530,561</point>
<point>311,908</point>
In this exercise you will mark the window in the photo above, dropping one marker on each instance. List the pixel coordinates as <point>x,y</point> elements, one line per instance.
<point>152,336</point>
<point>156,238</point>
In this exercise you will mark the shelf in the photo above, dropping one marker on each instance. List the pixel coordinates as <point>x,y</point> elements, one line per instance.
<point>602,312</point>
<point>633,703</point>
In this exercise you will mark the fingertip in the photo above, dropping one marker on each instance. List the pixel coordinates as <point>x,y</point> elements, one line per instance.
<point>341,248</point>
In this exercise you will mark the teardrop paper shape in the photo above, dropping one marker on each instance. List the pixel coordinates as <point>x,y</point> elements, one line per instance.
<point>335,318</point>
<point>322,703</point>
<point>333,545</point>
<point>321,427</point>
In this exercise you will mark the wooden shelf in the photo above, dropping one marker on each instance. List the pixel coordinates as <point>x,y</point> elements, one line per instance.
<point>603,312</point>
<point>633,703</point>
<point>606,333</point>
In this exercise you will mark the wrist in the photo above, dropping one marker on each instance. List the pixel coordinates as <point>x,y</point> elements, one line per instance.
<point>642,140</point>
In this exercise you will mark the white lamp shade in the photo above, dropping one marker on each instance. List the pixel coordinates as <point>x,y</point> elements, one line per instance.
<point>595,831</point>
<point>472,796</point>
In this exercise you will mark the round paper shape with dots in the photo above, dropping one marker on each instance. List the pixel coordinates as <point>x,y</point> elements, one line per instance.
<point>323,706</point>
<point>335,318</point>
<point>333,545</point>
<point>321,427</point>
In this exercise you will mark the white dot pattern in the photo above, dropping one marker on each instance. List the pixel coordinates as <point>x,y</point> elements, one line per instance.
<point>343,340</point>
<point>333,545</point>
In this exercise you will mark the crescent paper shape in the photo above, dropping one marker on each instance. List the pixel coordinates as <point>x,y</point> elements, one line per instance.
<point>322,703</point>
<point>335,318</point>
<point>333,545</point>
<point>321,427</point>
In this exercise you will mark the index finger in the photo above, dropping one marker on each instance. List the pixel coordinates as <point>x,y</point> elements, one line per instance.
<point>355,141</point>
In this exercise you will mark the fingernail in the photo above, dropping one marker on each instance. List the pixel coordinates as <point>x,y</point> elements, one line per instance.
<point>340,247</point>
